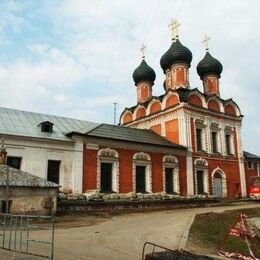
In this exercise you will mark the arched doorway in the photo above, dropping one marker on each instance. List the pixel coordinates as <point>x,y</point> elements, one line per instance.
<point>219,183</point>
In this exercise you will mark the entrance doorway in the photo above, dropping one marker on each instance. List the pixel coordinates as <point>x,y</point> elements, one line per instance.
<point>217,185</point>
<point>169,185</point>
<point>200,182</point>
<point>106,177</point>
<point>140,179</point>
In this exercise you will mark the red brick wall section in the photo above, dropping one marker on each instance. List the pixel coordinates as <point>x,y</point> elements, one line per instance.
<point>250,173</point>
<point>89,169</point>
<point>182,174</point>
<point>125,170</point>
<point>213,105</point>
<point>231,169</point>
<point>229,109</point>
<point>157,129</point>
<point>195,100</point>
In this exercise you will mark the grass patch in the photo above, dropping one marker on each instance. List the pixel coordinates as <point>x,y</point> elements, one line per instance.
<point>208,231</point>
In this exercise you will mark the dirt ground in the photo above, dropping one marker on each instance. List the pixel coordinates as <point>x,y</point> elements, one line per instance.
<point>122,236</point>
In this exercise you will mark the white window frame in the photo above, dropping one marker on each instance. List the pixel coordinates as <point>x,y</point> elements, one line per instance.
<point>143,159</point>
<point>201,165</point>
<point>107,155</point>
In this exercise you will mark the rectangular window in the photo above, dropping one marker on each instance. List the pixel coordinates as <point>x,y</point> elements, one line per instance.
<point>250,165</point>
<point>14,161</point>
<point>3,206</point>
<point>228,144</point>
<point>140,179</point>
<point>169,187</point>
<point>53,173</point>
<point>200,182</point>
<point>106,177</point>
<point>199,139</point>
<point>214,140</point>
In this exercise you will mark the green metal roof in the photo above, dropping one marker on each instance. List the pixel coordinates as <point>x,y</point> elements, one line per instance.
<point>18,178</point>
<point>131,135</point>
<point>22,123</point>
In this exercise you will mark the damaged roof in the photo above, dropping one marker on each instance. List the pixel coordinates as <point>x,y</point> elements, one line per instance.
<point>18,178</point>
<point>251,156</point>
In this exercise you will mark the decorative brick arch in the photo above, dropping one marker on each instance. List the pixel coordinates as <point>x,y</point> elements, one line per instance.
<point>213,105</point>
<point>230,110</point>
<point>196,100</point>
<point>127,117</point>
<point>143,159</point>
<point>221,173</point>
<point>139,112</point>
<point>107,155</point>
<point>202,165</point>
<point>170,100</point>
<point>154,106</point>
<point>170,161</point>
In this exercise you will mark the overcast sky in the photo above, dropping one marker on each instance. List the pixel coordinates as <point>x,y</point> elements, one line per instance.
<point>75,58</point>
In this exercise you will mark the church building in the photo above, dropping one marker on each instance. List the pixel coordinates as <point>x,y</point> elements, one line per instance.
<point>203,122</point>
<point>185,142</point>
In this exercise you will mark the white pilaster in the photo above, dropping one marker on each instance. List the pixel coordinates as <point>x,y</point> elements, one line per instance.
<point>78,167</point>
<point>241,163</point>
<point>189,167</point>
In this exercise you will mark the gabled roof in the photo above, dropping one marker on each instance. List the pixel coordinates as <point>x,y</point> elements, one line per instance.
<point>251,156</point>
<point>128,134</point>
<point>18,178</point>
<point>22,123</point>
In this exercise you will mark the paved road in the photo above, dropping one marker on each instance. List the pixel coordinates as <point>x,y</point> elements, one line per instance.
<point>122,237</point>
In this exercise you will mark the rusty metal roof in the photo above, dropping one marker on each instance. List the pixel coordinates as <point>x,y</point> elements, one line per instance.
<point>18,178</point>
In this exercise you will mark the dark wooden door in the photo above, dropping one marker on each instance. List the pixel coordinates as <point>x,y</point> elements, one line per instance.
<point>169,180</point>
<point>106,177</point>
<point>200,182</point>
<point>140,179</point>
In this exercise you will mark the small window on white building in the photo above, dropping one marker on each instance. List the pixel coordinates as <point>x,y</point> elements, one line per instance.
<point>199,139</point>
<point>53,173</point>
<point>228,144</point>
<point>214,140</point>
<point>46,127</point>
<point>14,161</point>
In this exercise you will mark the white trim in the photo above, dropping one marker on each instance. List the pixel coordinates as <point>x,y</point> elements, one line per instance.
<point>107,155</point>
<point>143,159</point>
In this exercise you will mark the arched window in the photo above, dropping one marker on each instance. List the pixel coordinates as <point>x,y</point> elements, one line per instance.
<point>201,177</point>
<point>107,170</point>
<point>171,175</point>
<point>219,183</point>
<point>142,173</point>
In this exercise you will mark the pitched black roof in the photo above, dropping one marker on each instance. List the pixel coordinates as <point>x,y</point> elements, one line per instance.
<point>128,134</point>
<point>251,156</point>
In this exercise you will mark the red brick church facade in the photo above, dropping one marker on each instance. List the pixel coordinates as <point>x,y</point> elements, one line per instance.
<point>206,124</point>
<point>184,142</point>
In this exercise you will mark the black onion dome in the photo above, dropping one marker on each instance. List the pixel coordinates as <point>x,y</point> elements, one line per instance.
<point>143,73</point>
<point>209,65</point>
<point>176,54</point>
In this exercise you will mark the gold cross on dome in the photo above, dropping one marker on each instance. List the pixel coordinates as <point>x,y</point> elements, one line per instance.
<point>174,27</point>
<point>206,42</point>
<point>143,47</point>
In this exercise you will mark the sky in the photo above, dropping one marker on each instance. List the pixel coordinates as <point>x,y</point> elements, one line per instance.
<point>75,58</point>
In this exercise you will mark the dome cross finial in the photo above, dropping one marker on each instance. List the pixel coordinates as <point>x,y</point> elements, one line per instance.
<point>174,27</point>
<point>142,50</point>
<point>206,42</point>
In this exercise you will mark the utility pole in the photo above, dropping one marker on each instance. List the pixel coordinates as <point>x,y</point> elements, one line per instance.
<point>115,104</point>
<point>7,190</point>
